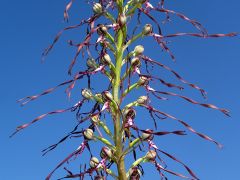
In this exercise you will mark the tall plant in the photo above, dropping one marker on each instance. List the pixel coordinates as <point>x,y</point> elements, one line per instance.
<point>121,63</point>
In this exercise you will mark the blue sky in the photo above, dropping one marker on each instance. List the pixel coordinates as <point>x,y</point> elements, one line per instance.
<point>27,27</point>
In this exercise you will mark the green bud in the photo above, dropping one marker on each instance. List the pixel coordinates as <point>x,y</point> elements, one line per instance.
<point>87,93</point>
<point>88,134</point>
<point>147,29</point>
<point>151,155</point>
<point>142,100</point>
<point>97,8</point>
<point>138,50</point>
<point>94,162</point>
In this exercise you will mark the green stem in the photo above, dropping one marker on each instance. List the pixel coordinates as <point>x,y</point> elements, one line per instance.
<point>133,40</point>
<point>117,113</point>
<point>128,90</point>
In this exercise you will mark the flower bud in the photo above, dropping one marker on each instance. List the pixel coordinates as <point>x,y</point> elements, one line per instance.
<point>151,155</point>
<point>107,96</point>
<point>93,162</point>
<point>138,50</point>
<point>147,29</point>
<point>129,113</point>
<point>95,119</point>
<point>135,173</point>
<point>106,59</point>
<point>147,136</point>
<point>143,81</point>
<point>101,29</point>
<point>142,100</point>
<point>91,63</point>
<point>97,8</point>
<point>87,93</point>
<point>122,19</point>
<point>88,134</point>
<point>135,62</point>
<point>106,153</point>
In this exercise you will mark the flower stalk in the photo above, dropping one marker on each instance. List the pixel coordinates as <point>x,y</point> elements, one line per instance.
<point>114,40</point>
